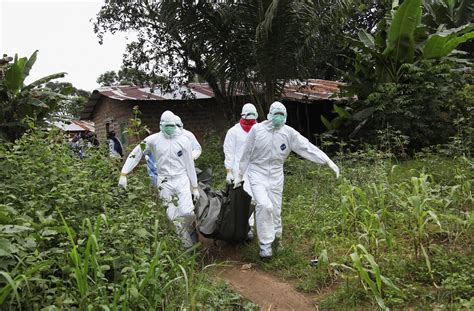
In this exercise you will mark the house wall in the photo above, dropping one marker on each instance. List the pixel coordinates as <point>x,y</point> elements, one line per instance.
<point>198,116</point>
<point>115,113</point>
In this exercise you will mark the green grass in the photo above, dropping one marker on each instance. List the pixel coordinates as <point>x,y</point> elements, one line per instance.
<point>71,239</point>
<point>370,206</point>
<point>383,223</point>
<point>374,204</point>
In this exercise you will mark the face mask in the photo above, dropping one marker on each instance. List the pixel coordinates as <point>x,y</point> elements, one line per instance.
<point>278,120</point>
<point>170,129</point>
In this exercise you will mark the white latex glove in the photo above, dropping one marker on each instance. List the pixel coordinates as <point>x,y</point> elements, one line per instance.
<point>238,181</point>
<point>123,181</point>
<point>229,177</point>
<point>334,168</point>
<point>195,193</point>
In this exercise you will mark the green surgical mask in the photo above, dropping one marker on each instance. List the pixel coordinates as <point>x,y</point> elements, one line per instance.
<point>278,120</point>
<point>170,129</point>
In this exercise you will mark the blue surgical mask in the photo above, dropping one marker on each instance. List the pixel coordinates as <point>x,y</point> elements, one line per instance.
<point>170,129</point>
<point>278,120</point>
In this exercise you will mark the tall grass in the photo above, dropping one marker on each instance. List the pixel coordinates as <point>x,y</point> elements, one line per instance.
<point>410,222</point>
<point>71,239</point>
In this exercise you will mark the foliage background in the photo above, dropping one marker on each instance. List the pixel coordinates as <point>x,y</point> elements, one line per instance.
<point>114,248</point>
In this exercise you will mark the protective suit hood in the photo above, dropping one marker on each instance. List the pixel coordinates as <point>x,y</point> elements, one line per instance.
<point>249,108</point>
<point>179,122</point>
<point>275,109</point>
<point>168,119</point>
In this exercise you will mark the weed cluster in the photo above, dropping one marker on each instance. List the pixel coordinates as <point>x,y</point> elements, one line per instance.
<point>71,239</point>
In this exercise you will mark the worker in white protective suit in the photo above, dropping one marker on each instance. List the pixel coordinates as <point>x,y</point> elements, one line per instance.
<point>196,147</point>
<point>268,145</point>
<point>196,151</point>
<point>234,143</point>
<point>176,174</point>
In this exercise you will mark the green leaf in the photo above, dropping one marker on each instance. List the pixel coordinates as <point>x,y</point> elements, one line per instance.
<point>323,257</point>
<point>29,64</point>
<point>48,232</point>
<point>326,123</point>
<point>5,218</point>
<point>141,232</point>
<point>44,80</point>
<point>366,38</point>
<point>13,78</point>
<point>464,12</point>
<point>376,271</point>
<point>380,302</point>
<point>442,44</point>
<point>5,248</point>
<point>389,283</point>
<point>30,243</point>
<point>67,90</point>
<point>8,229</point>
<point>400,39</point>
<point>435,218</point>
<point>37,102</point>
<point>11,285</point>
<point>427,259</point>
<point>343,113</point>
<point>21,62</point>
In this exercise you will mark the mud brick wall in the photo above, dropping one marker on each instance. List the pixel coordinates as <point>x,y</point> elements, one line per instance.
<point>114,113</point>
<point>198,116</point>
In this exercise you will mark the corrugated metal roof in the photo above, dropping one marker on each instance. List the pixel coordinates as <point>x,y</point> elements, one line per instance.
<point>198,90</point>
<point>312,89</point>
<point>75,126</point>
<point>302,91</point>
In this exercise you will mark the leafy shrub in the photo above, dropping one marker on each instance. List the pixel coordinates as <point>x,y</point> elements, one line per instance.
<point>424,109</point>
<point>390,208</point>
<point>70,238</point>
<point>20,102</point>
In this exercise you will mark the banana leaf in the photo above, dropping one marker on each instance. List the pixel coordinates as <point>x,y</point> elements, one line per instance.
<point>443,43</point>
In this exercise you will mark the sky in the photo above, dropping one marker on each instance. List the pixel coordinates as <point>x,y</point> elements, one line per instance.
<point>62,31</point>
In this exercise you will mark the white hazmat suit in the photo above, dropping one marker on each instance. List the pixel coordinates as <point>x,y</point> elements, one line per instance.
<point>234,143</point>
<point>196,151</point>
<point>176,174</point>
<point>268,145</point>
<point>196,147</point>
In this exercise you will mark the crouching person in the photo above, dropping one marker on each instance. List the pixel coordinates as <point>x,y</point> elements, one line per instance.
<point>176,175</point>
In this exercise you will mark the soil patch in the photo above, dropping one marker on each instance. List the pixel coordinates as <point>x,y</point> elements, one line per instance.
<point>262,288</point>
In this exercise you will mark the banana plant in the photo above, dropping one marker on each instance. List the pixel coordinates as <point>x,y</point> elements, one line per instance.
<point>441,44</point>
<point>450,13</point>
<point>401,39</point>
<point>20,101</point>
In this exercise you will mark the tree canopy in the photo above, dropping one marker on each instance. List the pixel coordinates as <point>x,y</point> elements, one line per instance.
<point>253,45</point>
<point>128,76</point>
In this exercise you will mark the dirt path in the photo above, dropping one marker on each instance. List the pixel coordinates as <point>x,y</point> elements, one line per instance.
<point>262,288</point>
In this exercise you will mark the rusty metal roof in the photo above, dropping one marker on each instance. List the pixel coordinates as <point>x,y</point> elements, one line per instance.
<point>298,91</point>
<point>311,89</point>
<point>75,125</point>
<point>198,90</point>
